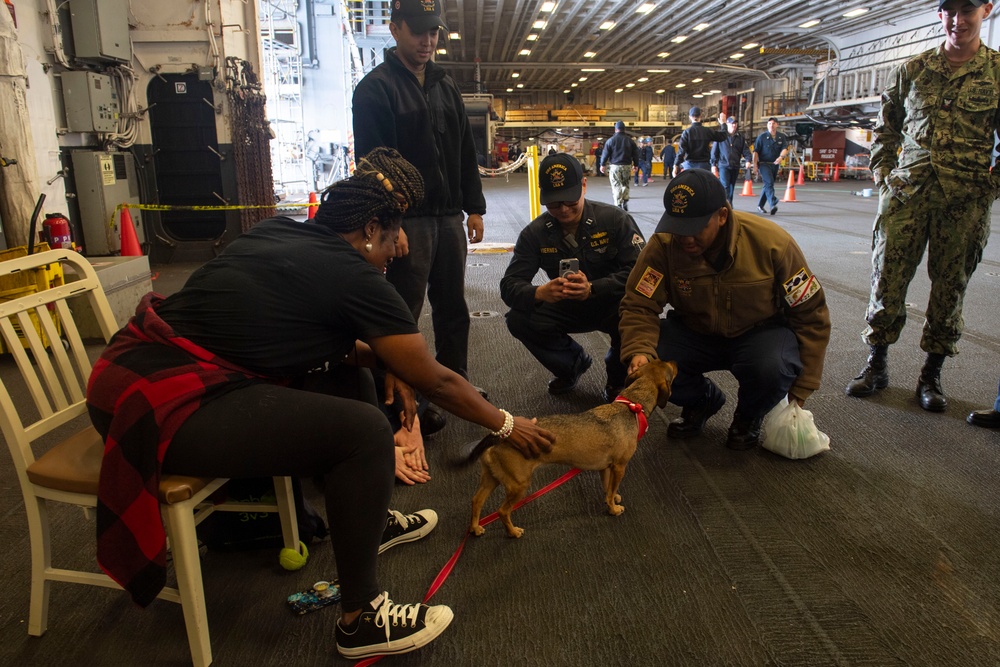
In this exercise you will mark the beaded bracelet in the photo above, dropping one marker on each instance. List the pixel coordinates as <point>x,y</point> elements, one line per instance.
<point>508,426</point>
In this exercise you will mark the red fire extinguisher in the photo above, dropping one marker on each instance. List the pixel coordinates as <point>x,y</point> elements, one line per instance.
<point>57,231</point>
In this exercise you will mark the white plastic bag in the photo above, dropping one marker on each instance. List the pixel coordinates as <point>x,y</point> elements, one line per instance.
<point>792,433</point>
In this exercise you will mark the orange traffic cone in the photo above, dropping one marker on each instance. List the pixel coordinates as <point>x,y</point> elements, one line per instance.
<point>826,172</point>
<point>836,173</point>
<point>747,188</point>
<point>313,205</point>
<point>790,191</point>
<point>130,241</point>
<point>802,175</point>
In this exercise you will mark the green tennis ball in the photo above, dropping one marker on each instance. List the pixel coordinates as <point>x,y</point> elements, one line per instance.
<point>292,560</point>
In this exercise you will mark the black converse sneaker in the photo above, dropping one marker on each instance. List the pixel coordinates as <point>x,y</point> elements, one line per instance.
<point>388,628</point>
<point>400,528</point>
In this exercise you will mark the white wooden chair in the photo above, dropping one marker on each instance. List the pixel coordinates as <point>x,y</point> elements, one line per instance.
<point>55,377</point>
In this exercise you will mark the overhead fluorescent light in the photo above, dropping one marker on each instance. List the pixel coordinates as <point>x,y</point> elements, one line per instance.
<point>663,54</point>
<point>514,75</point>
<point>680,85</point>
<point>737,56</point>
<point>589,54</point>
<point>454,35</point>
<point>698,96</point>
<point>548,7</point>
<point>510,90</point>
<point>714,92</point>
<point>701,26</point>
<point>524,52</point>
<point>520,85</point>
<point>810,24</point>
<point>539,25</point>
<point>532,37</point>
<point>619,90</point>
<point>661,91</point>
<point>574,84</point>
<point>582,78</point>
<point>643,79</point>
<point>658,71</point>
<point>630,85</point>
<point>442,52</point>
<point>607,25</point>
<point>645,8</point>
<point>698,80</point>
<point>751,45</point>
<point>856,12</point>
<point>566,91</point>
<point>591,69</point>
<point>678,39</point>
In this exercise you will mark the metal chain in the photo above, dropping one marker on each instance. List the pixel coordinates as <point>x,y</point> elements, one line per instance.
<point>251,137</point>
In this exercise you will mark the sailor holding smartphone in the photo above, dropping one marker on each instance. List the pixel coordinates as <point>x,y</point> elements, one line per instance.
<point>586,249</point>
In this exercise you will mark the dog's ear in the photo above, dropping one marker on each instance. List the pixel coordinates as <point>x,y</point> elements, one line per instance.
<point>664,383</point>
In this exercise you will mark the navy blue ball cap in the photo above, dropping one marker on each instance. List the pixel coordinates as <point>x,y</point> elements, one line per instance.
<point>560,178</point>
<point>619,125</point>
<point>690,200</point>
<point>420,15</point>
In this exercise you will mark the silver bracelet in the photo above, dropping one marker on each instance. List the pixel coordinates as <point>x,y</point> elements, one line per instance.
<point>508,426</point>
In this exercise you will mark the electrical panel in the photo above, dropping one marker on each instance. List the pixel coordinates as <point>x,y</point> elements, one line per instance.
<point>103,181</point>
<point>91,102</point>
<point>100,30</point>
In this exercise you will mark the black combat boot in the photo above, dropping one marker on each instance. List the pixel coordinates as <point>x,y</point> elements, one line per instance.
<point>875,374</point>
<point>929,391</point>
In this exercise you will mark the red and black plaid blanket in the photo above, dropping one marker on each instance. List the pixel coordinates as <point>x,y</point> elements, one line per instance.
<point>146,384</point>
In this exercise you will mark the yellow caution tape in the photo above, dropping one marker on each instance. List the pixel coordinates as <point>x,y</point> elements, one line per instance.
<point>172,207</point>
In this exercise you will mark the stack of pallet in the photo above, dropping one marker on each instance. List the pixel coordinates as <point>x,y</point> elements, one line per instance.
<point>528,112</point>
<point>577,112</point>
<point>623,114</point>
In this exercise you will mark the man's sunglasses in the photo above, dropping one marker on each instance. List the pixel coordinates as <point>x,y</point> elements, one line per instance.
<point>561,204</point>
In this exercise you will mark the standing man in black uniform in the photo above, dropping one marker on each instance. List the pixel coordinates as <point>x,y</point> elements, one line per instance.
<point>619,160</point>
<point>696,143</point>
<point>726,156</point>
<point>605,241</point>
<point>409,103</point>
<point>769,150</point>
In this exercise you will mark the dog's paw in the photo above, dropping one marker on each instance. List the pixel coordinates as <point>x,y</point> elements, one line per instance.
<point>618,498</point>
<point>477,530</point>
<point>617,509</point>
<point>516,532</point>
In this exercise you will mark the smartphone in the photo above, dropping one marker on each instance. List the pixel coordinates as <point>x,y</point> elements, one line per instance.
<point>567,266</point>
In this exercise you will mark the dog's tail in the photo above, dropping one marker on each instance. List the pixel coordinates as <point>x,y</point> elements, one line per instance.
<point>472,450</point>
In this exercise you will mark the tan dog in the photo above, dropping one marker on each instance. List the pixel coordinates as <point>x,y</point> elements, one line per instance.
<point>603,438</point>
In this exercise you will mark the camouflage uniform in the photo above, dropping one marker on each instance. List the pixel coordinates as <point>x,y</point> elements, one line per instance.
<point>620,176</point>
<point>931,157</point>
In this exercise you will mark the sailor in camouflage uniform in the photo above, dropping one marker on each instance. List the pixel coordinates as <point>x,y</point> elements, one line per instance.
<point>931,160</point>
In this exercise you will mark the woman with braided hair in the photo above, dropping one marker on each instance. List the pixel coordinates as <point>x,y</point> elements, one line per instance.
<point>256,368</point>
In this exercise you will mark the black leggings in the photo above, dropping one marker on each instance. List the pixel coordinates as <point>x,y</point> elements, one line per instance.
<point>329,426</point>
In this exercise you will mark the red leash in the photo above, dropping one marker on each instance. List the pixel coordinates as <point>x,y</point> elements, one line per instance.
<point>450,565</point>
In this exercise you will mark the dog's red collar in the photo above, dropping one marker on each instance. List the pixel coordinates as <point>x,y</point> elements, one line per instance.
<point>639,415</point>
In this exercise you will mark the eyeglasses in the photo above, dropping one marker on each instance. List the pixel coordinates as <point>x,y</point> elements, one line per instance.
<point>553,206</point>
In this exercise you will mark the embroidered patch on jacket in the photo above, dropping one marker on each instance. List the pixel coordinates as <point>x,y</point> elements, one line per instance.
<point>800,288</point>
<point>549,251</point>
<point>683,286</point>
<point>648,283</point>
<point>638,241</point>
